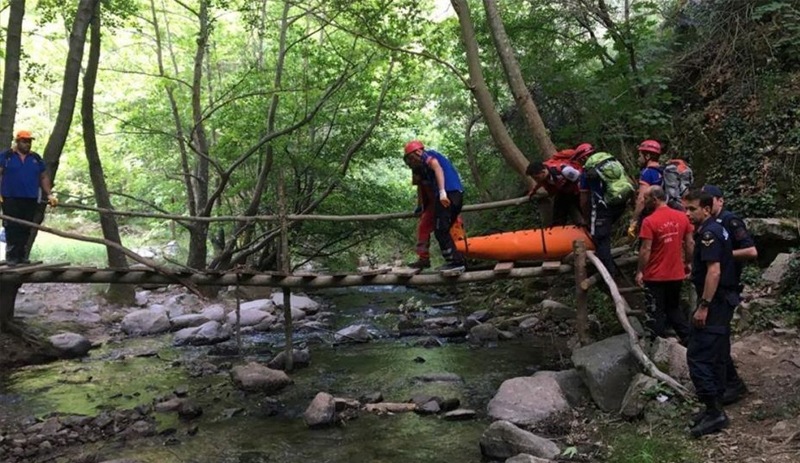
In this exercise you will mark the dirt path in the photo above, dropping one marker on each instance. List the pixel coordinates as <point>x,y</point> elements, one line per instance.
<point>765,426</point>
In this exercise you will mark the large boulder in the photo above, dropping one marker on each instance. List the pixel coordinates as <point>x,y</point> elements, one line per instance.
<point>635,399</point>
<point>145,321</point>
<point>504,440</point>
<point>557,311</point>
<point>607,368</point>
<point>304,303</point>
<point>255,377</point>
<point>773,236</point>
<point>300,358</point>
<point>70,345</point>
<point>670,356</point>
<point>250,317</point>
<point>529,400</point>
<point>321,411</point>
<point>265,305</point>
<point>779,268</point>
<point>485,333</point>
<point>187,321</point>
<point>206,334</point>
<point>572,385</point>
<point>353,333</point>
<point>215,312</point>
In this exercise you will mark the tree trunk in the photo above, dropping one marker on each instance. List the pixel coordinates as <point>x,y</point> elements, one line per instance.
<point>123,294</point>
<point>198,232</point>
<point>520,91</point>
<point>508,149</point>
<point>8,110</point>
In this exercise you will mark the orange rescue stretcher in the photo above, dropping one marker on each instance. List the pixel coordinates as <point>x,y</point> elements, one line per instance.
<point>552,243</point>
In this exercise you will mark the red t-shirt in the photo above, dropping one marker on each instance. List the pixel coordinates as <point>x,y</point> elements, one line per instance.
<point>666,228</point>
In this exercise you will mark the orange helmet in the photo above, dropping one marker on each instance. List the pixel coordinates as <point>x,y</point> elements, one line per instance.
<point>413,145</point>
<point>583,151</point>
<point>23,135</point>
<point>650,146</point>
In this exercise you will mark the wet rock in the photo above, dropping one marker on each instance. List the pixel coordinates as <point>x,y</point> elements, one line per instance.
<point>145,321</point>
<point>189,410</point>
<point>461,414</point>
<point>229,413</point>
<point>430,407</point>
<point>300,359</point>
<point>529,400</point>
<point>557,311</point>
<point>607,367</point>
<point>353,333</point>
<point>139,429</point>
<point>421,399</point>
<point>142,298</point>
<point>170,405</point>
<point>207,333</point>
<point>265,305</point>
<point>481,316</point>
<point>635,400</point>
<point>70,345</point>
<point>201,368</point>
<point>483,334</point>
<point>525,458</point>
<point>321,411</point>
<point>506,335</point>
<point>181,391</point>
<point>451,404</point>
<point>503,440</point>
<point>270,406</point>
<point>215,312</point>
<point>255,377</point>
<point>371,398</point>
<point>344,403</point>
<point>439,322</point>
<point>187,321</point>
<point>529,323</point>
<point>250,317</point>
<point>572,386</point>
<point>304,303</point>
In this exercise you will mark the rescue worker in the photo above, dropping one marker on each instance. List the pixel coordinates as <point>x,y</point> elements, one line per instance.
<point>715,280</point>
<point>650,176</point>
<point>426,200</point>
<point>744,249</point>
<point>599,212</point>
<point>664,261</point>
<point>559,176</point>
<point>450,198</point>
<point>22,175</point>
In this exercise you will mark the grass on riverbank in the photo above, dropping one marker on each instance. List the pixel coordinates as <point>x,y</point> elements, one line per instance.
<point>630,443</point>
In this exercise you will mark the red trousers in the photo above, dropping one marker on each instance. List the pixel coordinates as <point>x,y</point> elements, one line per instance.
<point>426,225</point>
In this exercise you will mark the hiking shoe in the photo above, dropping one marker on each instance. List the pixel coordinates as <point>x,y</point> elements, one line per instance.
<point>24,261</point>
<point>453,267</point>
<point>710,424</point>
<point>734,393</point>
<point>420,264</point>
<point>12,262</point>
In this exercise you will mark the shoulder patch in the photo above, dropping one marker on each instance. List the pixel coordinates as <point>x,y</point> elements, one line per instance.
<point>707,238</point>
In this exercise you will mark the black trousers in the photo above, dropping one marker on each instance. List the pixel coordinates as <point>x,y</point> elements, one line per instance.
<point>603,219</point>
<point>708,351</point>
<point>663,300</point>
<point>445,217</point>
<point>16,234</point>
<point>566,208</point>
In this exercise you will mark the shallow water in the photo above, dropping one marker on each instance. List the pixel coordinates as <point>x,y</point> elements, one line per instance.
<point>233,428</point>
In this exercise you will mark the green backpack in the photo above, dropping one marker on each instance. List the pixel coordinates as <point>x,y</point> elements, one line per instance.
<point>605,167</point>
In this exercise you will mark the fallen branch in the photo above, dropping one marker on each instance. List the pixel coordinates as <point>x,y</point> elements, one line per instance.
<point>621,307</point>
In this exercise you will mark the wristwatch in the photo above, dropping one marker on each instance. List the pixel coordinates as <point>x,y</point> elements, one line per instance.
<point>704,303</point>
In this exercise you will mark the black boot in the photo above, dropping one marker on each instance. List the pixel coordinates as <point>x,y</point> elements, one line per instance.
<point>714,419</point>
<point>734,392</point>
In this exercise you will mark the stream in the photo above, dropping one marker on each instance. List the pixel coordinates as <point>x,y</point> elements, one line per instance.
<point>238,427</point>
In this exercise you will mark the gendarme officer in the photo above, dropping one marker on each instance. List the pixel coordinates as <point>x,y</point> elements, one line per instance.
<point>716,282</point>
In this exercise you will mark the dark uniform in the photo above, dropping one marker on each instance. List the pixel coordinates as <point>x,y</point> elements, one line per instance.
<point>740,239</point>
<point>603,217</point>
<point>710,346</point>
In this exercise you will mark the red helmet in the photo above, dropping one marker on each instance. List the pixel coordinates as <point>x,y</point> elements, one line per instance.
<point>650,146</point>
<point>414,145</point>
<point>583,151</point>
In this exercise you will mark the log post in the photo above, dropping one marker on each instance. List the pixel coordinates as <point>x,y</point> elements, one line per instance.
<point>8,299</point>
<point>286,267</point>
<point>581,294</point>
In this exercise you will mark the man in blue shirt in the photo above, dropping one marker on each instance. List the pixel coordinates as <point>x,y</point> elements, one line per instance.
<point>22,174</point>
<point>716,282</point>
<point>450,195</point>
<point>650,176</point>
<point>744,249</point>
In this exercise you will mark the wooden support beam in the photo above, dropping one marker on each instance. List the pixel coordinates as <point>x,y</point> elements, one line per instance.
<point>621,306</point>
<point>620,262</point>
<point>503,268</point>
<point>581,295</point>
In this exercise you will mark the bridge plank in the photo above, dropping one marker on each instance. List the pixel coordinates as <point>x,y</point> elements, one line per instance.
<point>405,272</point>
<point>365,271</point>
<point>550,266</point>
<point>503,268</point>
